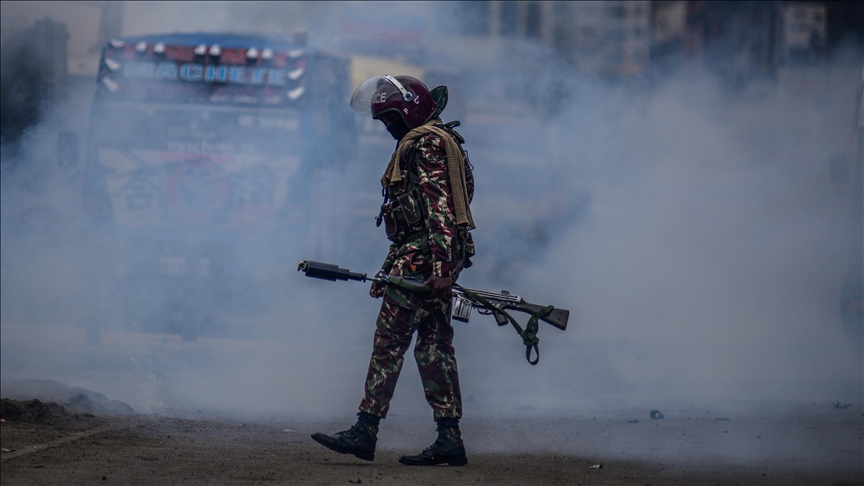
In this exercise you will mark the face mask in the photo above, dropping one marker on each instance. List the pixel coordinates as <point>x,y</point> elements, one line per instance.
<point>397,128</point>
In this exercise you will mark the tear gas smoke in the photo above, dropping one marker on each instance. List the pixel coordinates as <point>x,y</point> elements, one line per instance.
<point>692,231</point>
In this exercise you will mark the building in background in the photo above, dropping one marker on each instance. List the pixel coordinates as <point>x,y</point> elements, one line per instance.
<point>803,36</point>
<point>50,52</point>
<point>34,71</point>
<point>618,40</point>
<point>529,48</point>
<point>743,42</point>
<point>521,19</point>
<point>610,38</point>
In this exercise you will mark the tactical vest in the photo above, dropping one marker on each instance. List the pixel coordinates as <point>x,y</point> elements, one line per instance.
<point>404,212</point>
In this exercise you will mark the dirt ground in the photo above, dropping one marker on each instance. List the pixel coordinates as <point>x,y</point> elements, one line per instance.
<point>145,429</point>
<point>804,446</point>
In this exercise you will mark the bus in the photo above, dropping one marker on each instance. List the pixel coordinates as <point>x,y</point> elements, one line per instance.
<point>200,150</point>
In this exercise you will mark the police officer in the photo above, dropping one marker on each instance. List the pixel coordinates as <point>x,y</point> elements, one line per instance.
<point>428,185</point>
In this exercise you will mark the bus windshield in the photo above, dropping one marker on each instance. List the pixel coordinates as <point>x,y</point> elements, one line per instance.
<point>195,166</point>
<point>200,129</point>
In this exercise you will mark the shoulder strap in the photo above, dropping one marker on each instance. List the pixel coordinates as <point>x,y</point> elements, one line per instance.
<point>407,164</point>
<point>449,127</point>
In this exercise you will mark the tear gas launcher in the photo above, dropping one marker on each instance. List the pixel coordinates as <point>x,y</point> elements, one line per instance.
<point>465,299</point>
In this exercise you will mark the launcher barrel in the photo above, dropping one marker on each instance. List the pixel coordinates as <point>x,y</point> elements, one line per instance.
<point>325,271</point>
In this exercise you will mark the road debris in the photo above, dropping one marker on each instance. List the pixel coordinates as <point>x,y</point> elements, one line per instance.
<point>721,419</point>
<point>844,406</point>
<point>634,421</point>
<point>596,466</point>
<point>7,450</point>
<point>656,415</point>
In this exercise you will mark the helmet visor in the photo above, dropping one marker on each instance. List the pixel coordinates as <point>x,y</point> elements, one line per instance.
<point>361,100</point>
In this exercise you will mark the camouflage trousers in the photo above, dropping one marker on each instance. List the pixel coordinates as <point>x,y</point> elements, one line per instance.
<point>402,313</point>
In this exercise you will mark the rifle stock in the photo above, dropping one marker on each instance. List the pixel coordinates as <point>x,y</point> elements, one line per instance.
<point>557,318</point>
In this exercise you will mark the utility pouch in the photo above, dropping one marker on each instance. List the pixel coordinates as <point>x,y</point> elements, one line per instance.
<point>390,226</point>
<point>411,208</point>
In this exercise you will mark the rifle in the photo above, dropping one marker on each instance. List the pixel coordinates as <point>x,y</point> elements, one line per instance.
<point>466,299</point>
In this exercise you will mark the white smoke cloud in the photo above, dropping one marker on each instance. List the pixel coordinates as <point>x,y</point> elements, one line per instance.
<point>692,232</point>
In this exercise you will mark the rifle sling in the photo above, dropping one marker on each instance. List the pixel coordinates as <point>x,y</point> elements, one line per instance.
<point>528,335</point>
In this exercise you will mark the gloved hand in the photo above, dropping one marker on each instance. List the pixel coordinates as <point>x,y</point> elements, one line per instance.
<point>442,287</point>
<point>377,289</point>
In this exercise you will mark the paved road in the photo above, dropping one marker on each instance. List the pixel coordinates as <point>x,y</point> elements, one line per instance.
<point>801,445</point>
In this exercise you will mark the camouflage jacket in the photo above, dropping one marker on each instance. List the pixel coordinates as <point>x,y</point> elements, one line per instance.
<point>447,244</point>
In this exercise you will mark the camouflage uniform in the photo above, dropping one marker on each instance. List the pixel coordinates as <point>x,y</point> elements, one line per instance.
<point>433,245</point>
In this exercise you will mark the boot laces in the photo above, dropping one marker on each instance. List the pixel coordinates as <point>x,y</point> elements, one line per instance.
<point>354,432</point>
<point>438,446</point>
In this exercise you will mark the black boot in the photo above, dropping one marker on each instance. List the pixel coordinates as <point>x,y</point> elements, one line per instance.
<point>358,440</point>
<point>447,448</point>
